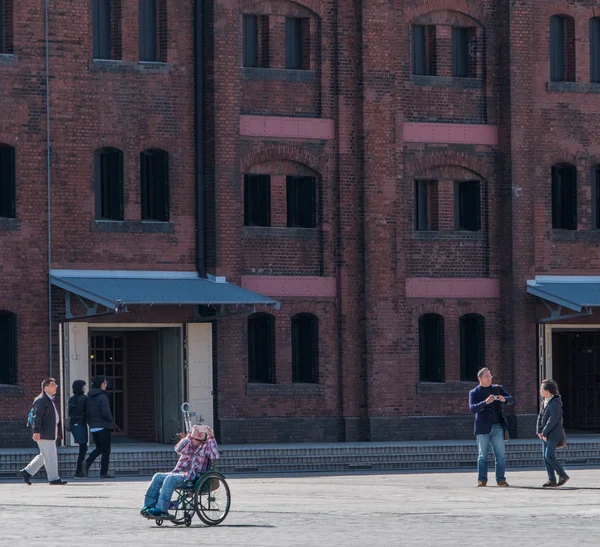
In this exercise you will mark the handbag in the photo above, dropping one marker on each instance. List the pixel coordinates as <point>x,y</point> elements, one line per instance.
<point>563,443</point>
<point>506,435</point>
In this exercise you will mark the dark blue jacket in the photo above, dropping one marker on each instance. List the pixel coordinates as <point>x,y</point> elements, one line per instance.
<point>483,411</point>
<point>98,410</point>
<point>550,420</point>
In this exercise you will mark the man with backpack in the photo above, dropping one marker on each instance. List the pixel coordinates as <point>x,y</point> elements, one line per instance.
<point>45,424</point>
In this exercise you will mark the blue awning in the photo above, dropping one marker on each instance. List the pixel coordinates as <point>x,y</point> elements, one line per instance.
<point>576,292</point>
<point>115,289</point>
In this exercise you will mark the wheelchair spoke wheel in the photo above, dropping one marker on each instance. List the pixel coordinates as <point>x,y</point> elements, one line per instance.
<point>212,499</point>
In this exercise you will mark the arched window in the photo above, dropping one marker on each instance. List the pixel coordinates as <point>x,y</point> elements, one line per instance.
<point>305,348</point>
<point>431,348</point>
<point>8,347</point>
<point>108,172</point>
<point>564,197</point>
<point>261,348</point>
<point>154,177</point>
<point>7,182</point>
<point>472,346</point>
<point>562,49</point>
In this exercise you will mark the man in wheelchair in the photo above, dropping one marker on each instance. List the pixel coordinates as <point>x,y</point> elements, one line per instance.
<point>196,452</point>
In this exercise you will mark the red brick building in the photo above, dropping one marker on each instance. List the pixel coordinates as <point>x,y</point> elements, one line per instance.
<point>397,193</point>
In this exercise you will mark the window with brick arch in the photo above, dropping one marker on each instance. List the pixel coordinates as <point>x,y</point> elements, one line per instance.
<point>305,348</point>
<point>261,348</point>
<point>106,29</point>
<point>257,200</point>
<point>472,346</point>
<point>8,348</point>
<point>467,205</point>
<point>564,197</point>
<point>7,182</point>
<point>154,175</point>
<point>595,50</point>
<point>562,48</point>
<point>153,36</point>
<point>108,173</point>
<point>424,50</point>
<point>431,348</point>
<point>301,195</point>
<point>426,205</point>
<point>6,27</point>
<point>255,37</point>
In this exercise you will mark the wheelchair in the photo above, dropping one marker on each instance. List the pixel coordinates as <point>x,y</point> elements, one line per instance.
<point>207,496</point>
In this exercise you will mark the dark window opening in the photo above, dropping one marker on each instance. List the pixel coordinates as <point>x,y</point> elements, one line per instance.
<point>153,39</point>
<point>596,197</point>
<point>155,185</point>
<point>467,205</point>
<point>562,49</point>
<point>305,348</point>
<point>255,36</point>
<point>261,348</point>
<point>7,182</point>
<point>595,50</point>
<point>472,346</point>
<point>424,50</point>
<point>564,197</point>
<point>257,200</point>
<point>426,205</point>
<point>431,348</point>
<point>301,202</point>
<point>106,22</point>
<point>8,348</point>
<point>109,184</point>
<point>460,52</point>
<point>6,27</point>
<point>297,43</point>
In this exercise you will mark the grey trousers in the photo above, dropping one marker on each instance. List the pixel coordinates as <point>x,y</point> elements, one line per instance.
<point>47,457</point>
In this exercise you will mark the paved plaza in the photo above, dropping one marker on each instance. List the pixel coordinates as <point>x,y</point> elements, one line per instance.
<point>406,509</point>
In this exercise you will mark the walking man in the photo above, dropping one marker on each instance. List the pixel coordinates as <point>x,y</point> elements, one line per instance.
<point>486,401</point>
<point>46,431</point>
<point>101,421</point>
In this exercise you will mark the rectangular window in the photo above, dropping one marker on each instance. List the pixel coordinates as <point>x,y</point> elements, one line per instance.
<point>596,196</point>
<point>106,23</point>
<point>557,49</point>
<point>6,27</point>
<point>257,200</point>
<point>426,205</point>
<point>7,182</point>
<point>109,185</point>
<point>250,37</point>
<point>431,348</point>
<point>155,185</point>
<point>261,348</point>
<point>301,202</point>
<point>295,38</point>
<point>424,50</point>
<point>148,30</point>
<point>564,197</point>
<point>460,52</point>
<point>467,205</point>
<point>595,50</point>
<point>8,348</point>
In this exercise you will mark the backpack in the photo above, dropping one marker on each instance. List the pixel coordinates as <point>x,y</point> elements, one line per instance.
<point>29,422</point>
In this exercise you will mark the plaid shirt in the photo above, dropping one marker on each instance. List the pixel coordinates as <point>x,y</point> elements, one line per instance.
<point>192,460</point>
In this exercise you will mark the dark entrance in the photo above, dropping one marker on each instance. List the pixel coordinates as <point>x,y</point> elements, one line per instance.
<point>576,368</point>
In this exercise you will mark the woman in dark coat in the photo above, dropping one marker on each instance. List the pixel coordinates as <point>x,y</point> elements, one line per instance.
<point>550,430</point>
<point>78,413</point>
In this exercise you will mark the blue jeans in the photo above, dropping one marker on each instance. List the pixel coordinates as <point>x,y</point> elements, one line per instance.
<point>161,489</point>
<point>552,464</point>
<point>496,437</point>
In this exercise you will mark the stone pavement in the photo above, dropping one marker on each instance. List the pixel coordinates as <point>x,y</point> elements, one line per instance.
<point>358,509</point>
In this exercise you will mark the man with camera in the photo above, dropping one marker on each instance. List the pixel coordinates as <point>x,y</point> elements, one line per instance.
<point>486,401</point>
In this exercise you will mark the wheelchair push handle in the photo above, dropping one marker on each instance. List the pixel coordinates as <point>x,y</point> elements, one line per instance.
<point>187,416</point>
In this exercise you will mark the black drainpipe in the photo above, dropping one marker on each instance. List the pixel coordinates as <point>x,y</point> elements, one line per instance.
<point>199,136</point>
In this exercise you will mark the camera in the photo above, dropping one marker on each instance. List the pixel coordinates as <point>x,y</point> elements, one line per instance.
<point>496,397</point>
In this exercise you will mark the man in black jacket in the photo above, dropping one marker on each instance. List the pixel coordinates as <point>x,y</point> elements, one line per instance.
<point>100,419</point>
<point>46,430</point>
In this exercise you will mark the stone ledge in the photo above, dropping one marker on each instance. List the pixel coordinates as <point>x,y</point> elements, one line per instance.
<point>279,74</point>
<point>132,226</point>
<point>144,67</point>
<point>447,82</point>
<point>7,390</point>
<point>8,224</point>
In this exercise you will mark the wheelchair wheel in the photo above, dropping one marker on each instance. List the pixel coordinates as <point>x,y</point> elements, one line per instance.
<point>187,520</point>
<point>159,522</point>
<point>212,499</point>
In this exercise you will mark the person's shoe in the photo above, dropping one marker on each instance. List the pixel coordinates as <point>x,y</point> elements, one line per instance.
<point>58,482</point>
<point>562,480</point>
<point>481,484</point>
<point>107,476</point>
<point>26,476</point>
<point>85,467</point>
<point>549,484</point>
<point>158,514</point>
<point>503,484</point>
<point>144,510</point>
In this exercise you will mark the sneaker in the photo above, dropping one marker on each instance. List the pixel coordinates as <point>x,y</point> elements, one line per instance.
<point>107,476</point>
<point>85,467</point>
<point>158,514</point>
<point>26,476</point>
<point>58,482</point>
<point>549,484</point>
<point>481,483</point>
<point>562,480</point>
<point>144,510</point>
<point>502,484</point>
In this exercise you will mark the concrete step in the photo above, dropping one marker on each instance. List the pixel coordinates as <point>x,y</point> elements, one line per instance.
<point>136,460</point>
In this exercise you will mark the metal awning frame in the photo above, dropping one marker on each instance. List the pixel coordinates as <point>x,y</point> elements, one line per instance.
<point>91,308</point>
<point>555,313</point>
